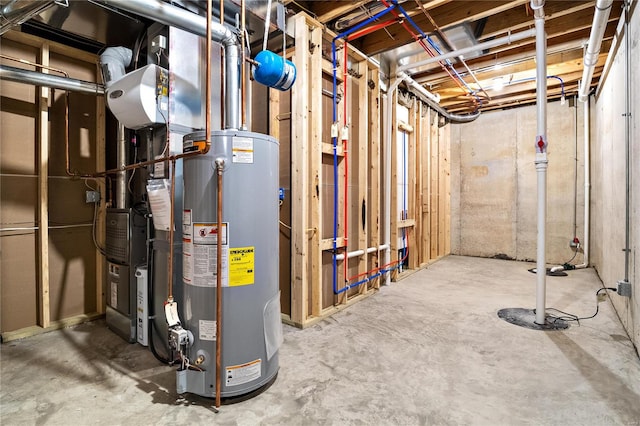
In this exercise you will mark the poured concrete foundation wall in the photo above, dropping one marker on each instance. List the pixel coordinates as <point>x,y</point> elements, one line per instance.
<point>493,184</point>
<point>608,169</point>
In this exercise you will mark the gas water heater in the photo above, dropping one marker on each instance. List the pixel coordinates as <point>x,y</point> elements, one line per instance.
<point>251,324</point>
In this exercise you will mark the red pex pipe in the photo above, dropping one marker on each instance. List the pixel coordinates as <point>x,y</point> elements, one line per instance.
<point>345,146</point>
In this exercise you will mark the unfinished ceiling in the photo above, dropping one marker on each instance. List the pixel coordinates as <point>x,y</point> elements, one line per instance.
<point>485,78</point>
<point>497,77</point>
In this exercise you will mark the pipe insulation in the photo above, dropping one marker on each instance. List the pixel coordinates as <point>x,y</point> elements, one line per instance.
<point>600,19</point>
<point>20,75</point>
<point>176,17</point>
<point>113,62</point>
<point>427,97</point>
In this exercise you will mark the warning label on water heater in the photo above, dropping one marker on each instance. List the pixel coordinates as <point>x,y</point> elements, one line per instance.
<point>242,150</point>
<point>199,254</point>
<point>241,266</point>
<point>243,373</point>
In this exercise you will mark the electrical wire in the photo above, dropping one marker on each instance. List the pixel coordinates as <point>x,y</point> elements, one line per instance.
<point>571,317</point>
<point>93,231</point>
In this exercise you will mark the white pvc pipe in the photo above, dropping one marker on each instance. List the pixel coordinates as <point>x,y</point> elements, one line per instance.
<point>390,105</point>
<point>511,38</point>
<point>541,158</point>
<point>600,19</point>
<point>357,253</point>
<point>587,187</point>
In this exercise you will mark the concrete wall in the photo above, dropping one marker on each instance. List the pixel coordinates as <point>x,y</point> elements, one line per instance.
<point>493,184</point>
<point>608,183</point>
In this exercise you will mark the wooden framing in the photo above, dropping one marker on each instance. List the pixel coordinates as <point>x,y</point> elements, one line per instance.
<point>313,295</point>
<point>45,250</point>
<point>42,142</point>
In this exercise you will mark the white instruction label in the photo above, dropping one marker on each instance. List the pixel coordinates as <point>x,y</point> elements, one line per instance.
<point>207,330</point>
<point>200,254</point>
<point>186,223</point>
<point>114,294</point>
<point>244,373</point>
<point>242,150</point>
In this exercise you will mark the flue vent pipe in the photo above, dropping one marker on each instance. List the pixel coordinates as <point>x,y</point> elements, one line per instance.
<point>541,161</point>
<point>20,75</point>
<point>176,17</point>
<point>428,98</point>
<point>508,39</point>
<point>600,19</point>
<point>16,12</point>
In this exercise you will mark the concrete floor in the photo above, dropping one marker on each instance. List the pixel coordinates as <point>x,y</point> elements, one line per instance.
<point>427,350</point>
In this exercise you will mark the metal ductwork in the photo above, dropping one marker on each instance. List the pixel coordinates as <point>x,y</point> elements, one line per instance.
<point>113,62</point>
<point>428,98</point>
<point>20,75</point>
<point>599,25</point>
<point>174,16</point>
<point>18,11</point>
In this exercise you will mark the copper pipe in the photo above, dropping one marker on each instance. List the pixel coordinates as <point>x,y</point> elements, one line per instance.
<point>222,73</point>
<point>219,167</point>
<point>66,109</point>
<point>243,65</point>
<point>171,232</point>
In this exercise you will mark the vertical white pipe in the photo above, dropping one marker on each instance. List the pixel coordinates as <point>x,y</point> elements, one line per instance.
<point>587,186</point>
<point>599,25</point>
<point>390,105</point>
<point>541,158</point>
<point>121,177</point>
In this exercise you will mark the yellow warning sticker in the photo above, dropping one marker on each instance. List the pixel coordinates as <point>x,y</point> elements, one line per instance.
<point>241,266</point>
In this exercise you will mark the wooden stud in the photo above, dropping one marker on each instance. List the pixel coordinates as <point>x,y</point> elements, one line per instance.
<point>418,190</point>
<point>100,165</point>
<point>447,190</point>
<point>363,167</point>
<point>394,180</point>
<point>315,169</point>
<point>433,187</point>
<point>44,310</point>
<point>411,187</point>
<point>374,177</point>
<point>441,191</point>
<point>299,173</point>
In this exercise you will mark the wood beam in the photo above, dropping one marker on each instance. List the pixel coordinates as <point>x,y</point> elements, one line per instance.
<point>44,93</point>
<point>300,172</point>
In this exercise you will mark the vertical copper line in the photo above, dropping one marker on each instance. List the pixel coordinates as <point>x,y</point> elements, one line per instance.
<point>207,104</point>
<point>222,73</point>
<point>219,201</point>
<point>219,287</point>
<point>243,65</point>
<point>171,231</point>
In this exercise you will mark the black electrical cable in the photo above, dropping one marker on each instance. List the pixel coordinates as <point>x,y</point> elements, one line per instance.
<point>151,326</point>
<point>571,317</point>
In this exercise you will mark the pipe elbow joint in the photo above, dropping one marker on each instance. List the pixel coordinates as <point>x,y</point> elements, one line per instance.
<point>113,62</point>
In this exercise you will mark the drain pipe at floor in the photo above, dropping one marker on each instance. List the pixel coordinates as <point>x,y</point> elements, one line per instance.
<point>541,161</point>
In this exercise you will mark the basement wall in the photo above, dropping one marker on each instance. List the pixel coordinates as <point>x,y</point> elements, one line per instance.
<point>494,186</point>
<point>608,180</point>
